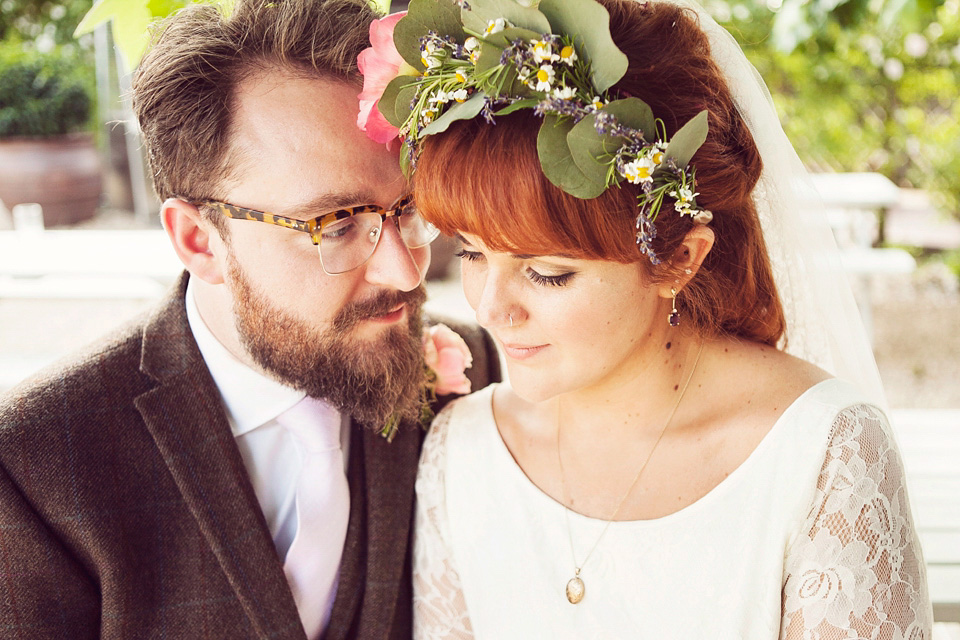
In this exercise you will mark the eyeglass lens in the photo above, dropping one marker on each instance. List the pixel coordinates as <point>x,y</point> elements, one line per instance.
<point>346,244</point>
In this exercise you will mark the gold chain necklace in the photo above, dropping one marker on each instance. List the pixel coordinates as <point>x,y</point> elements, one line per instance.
<point>575,587</point>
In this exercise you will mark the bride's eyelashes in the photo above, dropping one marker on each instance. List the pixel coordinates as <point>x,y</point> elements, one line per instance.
<point>534,276</point>
<point>468,255</point>
<point>554,281</point>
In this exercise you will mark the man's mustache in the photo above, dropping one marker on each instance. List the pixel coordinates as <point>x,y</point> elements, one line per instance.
<point>381,304</point>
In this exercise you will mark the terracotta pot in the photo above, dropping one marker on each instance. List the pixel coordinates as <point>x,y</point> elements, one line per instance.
<point>62,173</point>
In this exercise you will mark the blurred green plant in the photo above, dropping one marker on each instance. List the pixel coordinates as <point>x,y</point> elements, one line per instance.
<point>130,20</point>
<point>863,85</point>
<point>42,94</point>
<point>29,20</point>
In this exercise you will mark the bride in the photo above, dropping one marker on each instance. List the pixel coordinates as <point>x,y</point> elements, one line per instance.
<point>659,466</point>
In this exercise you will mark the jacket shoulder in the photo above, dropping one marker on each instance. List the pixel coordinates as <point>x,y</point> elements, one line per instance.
<point>93,376</point>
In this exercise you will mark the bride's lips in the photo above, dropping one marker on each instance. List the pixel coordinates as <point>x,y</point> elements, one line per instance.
<point>521,351</point>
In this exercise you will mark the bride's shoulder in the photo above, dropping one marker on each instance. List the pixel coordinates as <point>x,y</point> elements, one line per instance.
<point>472,408</point>
<point>742,368</point>
<point>747,386</point>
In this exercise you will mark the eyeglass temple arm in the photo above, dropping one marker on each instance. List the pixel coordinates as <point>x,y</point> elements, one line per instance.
<point>240,213</point>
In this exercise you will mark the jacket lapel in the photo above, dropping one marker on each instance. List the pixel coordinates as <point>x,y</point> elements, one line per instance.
<point>185,416</point>
<point>375,568</point>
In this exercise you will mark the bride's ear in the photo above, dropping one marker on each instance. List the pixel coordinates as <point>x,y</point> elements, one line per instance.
<point>688,257</point>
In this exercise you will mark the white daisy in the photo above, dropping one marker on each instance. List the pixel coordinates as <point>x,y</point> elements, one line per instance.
<point>495,26</point>
<point>568,55</point>
<point>638,171</point>
<point>545,78</point>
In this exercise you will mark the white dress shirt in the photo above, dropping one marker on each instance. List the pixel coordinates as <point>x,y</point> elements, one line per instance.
<point>252,402</point>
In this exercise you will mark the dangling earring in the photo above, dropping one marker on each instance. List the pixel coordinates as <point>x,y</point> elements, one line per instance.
<point>674,317</point>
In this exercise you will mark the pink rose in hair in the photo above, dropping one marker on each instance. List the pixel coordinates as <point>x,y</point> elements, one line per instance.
<point>379,65</point>
<point>448,355</point>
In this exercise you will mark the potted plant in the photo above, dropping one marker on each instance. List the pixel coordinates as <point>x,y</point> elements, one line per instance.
<point>45,154</point>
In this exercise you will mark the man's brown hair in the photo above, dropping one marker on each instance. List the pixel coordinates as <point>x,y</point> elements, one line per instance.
<point>183,92</point>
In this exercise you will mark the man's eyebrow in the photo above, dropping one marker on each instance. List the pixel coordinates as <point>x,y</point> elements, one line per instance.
<point>327,202</point>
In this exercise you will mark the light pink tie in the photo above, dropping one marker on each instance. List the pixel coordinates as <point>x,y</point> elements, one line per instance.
<point>323,509</point>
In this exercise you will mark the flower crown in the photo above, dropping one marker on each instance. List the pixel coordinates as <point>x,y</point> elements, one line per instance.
<point>456,61</point>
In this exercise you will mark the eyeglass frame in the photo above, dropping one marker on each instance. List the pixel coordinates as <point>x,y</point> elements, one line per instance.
<point>314,226</point>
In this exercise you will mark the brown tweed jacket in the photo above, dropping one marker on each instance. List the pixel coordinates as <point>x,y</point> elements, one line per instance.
<point>126,511</point>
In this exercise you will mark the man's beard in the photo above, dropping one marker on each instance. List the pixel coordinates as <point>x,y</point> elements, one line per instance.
<point>367,380</point>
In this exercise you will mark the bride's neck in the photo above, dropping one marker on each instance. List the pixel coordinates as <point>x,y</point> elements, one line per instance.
<point>640,398</point>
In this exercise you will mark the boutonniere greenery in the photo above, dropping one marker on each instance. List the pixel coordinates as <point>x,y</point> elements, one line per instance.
<point>446,357</point>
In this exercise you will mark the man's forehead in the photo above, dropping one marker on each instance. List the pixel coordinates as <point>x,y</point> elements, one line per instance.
<point>298,147</point>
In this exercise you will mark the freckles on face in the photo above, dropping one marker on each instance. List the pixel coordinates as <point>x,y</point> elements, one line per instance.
<point>574,321</point>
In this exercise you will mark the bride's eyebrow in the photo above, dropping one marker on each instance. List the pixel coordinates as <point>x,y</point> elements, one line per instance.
<point>523,256</point>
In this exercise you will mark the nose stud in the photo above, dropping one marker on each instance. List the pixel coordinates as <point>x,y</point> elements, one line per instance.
<point>510,316</point>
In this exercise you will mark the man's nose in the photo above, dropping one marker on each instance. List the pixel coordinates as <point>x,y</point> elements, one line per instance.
<point>395,265</point>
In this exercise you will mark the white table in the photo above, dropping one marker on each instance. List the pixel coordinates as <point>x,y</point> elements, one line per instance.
<point>72,264</point>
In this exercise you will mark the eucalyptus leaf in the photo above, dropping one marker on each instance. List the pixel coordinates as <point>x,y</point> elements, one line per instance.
<point>404,100</point>
<point>588,148</point>
<point>405,159</point>
<point>502,39</point>
<point>389,105</point>
<point>527,103</point>
<point>460,111</point>
<point>636,114</point>
<point>588,23</point>
<point>592,152</point>
<point>557,164</point>
<point>481,12</point>
<point>423,16</point>
<point>688,139</point>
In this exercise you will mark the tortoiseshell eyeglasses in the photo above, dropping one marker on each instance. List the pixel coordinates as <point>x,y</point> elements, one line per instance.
<point>345,238</point>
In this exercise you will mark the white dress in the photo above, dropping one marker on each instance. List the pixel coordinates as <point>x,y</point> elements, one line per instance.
<point>810,538</point>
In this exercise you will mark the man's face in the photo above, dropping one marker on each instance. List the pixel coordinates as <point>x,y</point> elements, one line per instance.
<point>353,338</point>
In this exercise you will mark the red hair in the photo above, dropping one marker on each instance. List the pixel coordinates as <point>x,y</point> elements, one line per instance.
<point>486,181</point>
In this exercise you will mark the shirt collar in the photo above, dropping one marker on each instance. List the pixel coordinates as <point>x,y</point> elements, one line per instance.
<point>251,399</point>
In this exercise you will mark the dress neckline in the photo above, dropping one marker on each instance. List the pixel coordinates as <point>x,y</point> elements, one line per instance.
<point>701,503</point>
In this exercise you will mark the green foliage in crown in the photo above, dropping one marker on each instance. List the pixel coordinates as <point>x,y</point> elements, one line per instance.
<point>488,58</point>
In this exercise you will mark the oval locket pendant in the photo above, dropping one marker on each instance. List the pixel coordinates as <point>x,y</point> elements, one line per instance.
<point>575,590</point>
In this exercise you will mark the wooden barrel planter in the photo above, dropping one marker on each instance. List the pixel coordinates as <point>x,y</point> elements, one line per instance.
<point>61,173</point>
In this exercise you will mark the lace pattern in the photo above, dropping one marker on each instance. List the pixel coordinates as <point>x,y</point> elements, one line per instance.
<point>857,571</point>
<point>853,570</point>
<point>439,608</point>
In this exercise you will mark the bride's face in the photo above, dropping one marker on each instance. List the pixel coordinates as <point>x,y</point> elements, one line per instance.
<point>565,324</point>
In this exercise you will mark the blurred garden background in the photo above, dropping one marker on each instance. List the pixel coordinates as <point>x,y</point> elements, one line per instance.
<point>867,91</point>
<point>862,87</point>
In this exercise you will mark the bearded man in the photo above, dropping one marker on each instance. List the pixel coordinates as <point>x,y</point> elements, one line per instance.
<point>215,469</point>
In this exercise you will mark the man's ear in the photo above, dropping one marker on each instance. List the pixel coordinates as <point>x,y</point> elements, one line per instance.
<point>194,238</point>
<point>688,257</point>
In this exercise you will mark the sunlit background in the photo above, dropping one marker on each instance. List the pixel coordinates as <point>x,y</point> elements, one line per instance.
<point>866,89</point>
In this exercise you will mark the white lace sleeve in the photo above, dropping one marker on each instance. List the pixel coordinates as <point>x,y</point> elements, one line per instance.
<point>857,570</point>
<point>439,609</point>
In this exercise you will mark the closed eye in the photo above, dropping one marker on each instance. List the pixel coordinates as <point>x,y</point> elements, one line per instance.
<point>469,255</point>
<point>555,281</point>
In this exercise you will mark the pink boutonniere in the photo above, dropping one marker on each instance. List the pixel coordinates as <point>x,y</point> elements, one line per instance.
<point>379,64</point>
<point>446,357</point>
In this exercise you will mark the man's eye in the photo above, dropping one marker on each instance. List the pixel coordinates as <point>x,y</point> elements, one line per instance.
<point>339,230</point>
